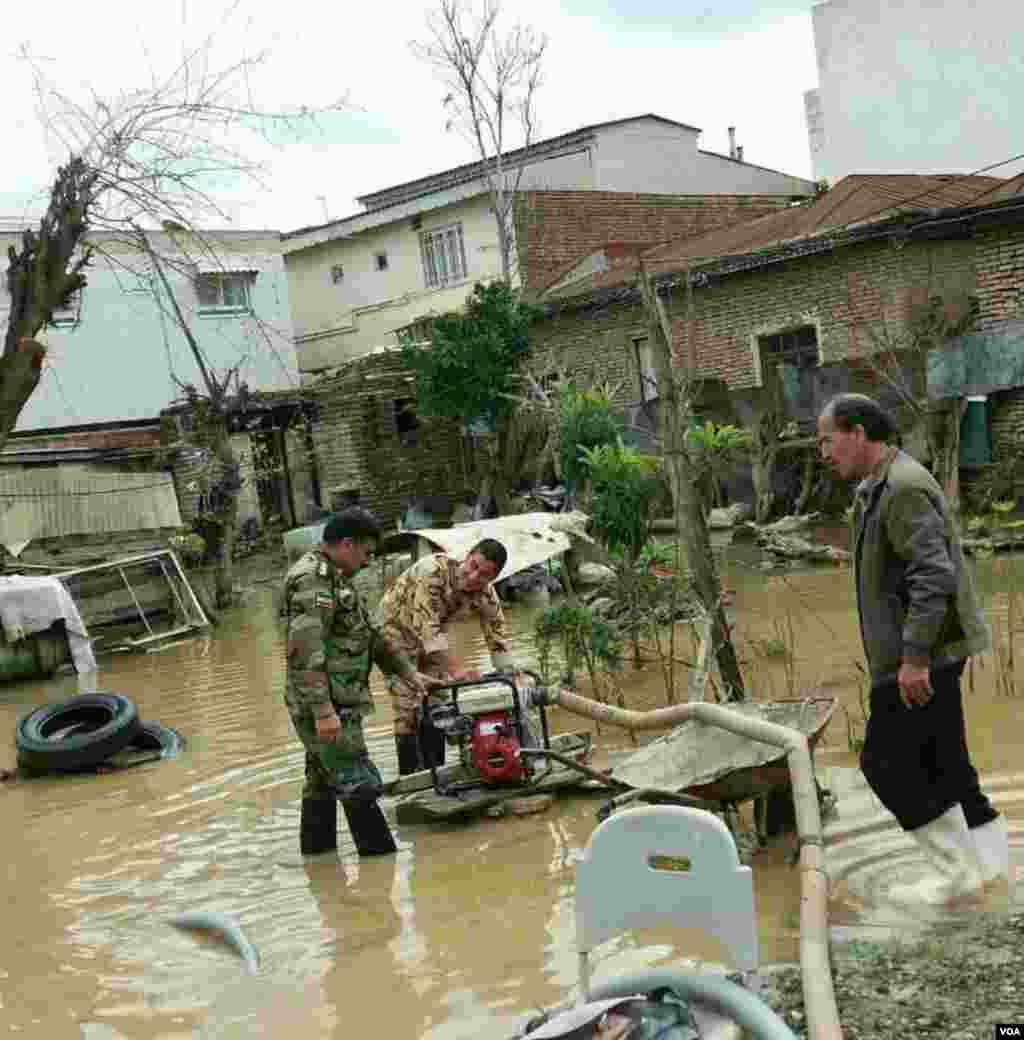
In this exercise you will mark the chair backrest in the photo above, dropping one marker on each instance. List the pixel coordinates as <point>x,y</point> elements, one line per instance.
<point>665,864</point>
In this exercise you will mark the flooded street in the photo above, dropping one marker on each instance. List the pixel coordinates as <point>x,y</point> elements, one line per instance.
<point>464,931</point>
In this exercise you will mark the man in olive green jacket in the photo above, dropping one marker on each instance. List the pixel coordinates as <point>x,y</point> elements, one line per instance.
<point>332,645</point>
<point>920,621</point>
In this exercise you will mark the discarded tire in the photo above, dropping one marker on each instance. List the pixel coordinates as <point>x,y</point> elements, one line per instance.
<point>154,737</point>
<point>76,733</point>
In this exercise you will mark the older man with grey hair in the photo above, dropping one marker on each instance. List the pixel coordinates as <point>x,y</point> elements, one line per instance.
<point>920,621</point>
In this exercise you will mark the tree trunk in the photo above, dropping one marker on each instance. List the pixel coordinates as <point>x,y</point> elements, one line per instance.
<point>226,516</point>
<point>766,450</point>
<point>42,275</point>
<point>20,371</point>
<point>691,524</point>
<point>946,454</point>
<point>808,472</point>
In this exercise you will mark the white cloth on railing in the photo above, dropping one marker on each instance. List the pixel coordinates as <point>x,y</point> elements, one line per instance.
<point>30,605</point>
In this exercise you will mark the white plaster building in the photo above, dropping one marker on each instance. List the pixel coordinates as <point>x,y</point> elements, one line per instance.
<point>116,355</point>
<point>417,248</point>
<point>916,87</point>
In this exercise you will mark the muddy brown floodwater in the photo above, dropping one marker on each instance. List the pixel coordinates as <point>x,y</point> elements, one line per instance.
<point>462,932</point>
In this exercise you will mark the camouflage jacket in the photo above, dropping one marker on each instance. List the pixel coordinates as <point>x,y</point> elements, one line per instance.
<point>332,642</point>
<point>417,608</point>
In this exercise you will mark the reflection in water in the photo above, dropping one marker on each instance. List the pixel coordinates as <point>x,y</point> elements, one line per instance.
<point>467,926</point>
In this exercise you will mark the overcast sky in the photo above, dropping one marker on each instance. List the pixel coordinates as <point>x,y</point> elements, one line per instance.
<point>708,63</point>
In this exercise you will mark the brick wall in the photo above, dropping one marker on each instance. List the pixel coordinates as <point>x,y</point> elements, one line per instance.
<point>357,443</point>
<point>849,295</point>
<point>1000,266</point>
<point>145,437</point>
<point>596,343</point>
<point>1006,422</point>
<point>556,228</point>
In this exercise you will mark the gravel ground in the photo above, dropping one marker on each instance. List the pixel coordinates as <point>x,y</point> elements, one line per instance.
<point>956,984</point>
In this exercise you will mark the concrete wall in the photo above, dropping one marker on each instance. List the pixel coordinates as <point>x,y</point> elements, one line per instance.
<point>121,358</point>
<point>649,156</point>
<point>917,87</point>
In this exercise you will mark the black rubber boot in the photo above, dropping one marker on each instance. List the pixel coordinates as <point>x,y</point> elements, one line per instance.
<point>408,754</point>
<point>318,829</point>
<point>369,828</point>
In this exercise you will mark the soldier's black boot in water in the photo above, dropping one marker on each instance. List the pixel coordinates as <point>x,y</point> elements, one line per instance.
<point>318,827</point>
<point>408,753</point>
<point>370,830</point>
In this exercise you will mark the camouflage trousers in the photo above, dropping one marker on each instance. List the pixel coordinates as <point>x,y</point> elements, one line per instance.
<point>404,703</point>
<point>334,768</point>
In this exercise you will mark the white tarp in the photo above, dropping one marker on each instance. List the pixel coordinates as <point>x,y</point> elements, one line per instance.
<point>30,605</point>
<point>529,539</point>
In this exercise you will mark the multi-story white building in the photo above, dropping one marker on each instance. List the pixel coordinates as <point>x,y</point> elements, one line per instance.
<point>915,87</point>
<point>417,248</point>
<point>118,353</point>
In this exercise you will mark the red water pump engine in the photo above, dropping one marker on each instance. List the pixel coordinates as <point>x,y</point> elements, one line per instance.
<point>494,746</point>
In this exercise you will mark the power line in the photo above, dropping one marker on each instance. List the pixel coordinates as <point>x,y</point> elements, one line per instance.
<point>930,190</point>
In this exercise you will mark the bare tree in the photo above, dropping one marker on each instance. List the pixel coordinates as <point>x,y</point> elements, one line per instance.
<point>492,79</point>
<point>209,414</point>
<point>145,159</point>
<point>674,412</point>
<point>140,159</point>
<point>896,357</point>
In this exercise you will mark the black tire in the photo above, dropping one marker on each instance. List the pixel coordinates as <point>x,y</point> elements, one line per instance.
<point>76,733</point>
<point>154,737</point>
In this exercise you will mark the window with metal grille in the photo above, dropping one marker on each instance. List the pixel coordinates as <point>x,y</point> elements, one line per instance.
<point>223,293</point>
<point>793,356</point>
<point>444,256</point>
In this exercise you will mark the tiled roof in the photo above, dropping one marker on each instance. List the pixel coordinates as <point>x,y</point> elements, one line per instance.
<point>857,200</point>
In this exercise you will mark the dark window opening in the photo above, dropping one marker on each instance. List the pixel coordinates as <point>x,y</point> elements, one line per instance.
<point>647,374</point>
<point>406,421</point>
<point>791,358</point>
<point>381,260</point>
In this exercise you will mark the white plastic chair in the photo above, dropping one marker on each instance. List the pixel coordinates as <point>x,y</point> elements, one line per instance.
<point>664,864</point>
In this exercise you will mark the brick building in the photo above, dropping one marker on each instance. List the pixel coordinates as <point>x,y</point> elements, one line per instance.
<point>805,289</point>
<point>371,448</point>
<point>555,228</point>
<point>809,289</point>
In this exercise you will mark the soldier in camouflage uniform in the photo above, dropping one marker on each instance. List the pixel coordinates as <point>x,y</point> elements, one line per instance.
<point>414,614</point>
<point>332,645</point>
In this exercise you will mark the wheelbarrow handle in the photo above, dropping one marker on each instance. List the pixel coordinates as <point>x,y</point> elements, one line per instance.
<point>610,781</point>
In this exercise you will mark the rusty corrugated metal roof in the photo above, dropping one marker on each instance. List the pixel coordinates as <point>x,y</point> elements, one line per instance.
<point>54,501</point>
<point>856,200</point>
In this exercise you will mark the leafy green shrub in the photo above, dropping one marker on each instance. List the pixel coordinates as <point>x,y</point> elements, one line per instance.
<point>624,485</point>
<point>585,421</point>
<point>582,637</point>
